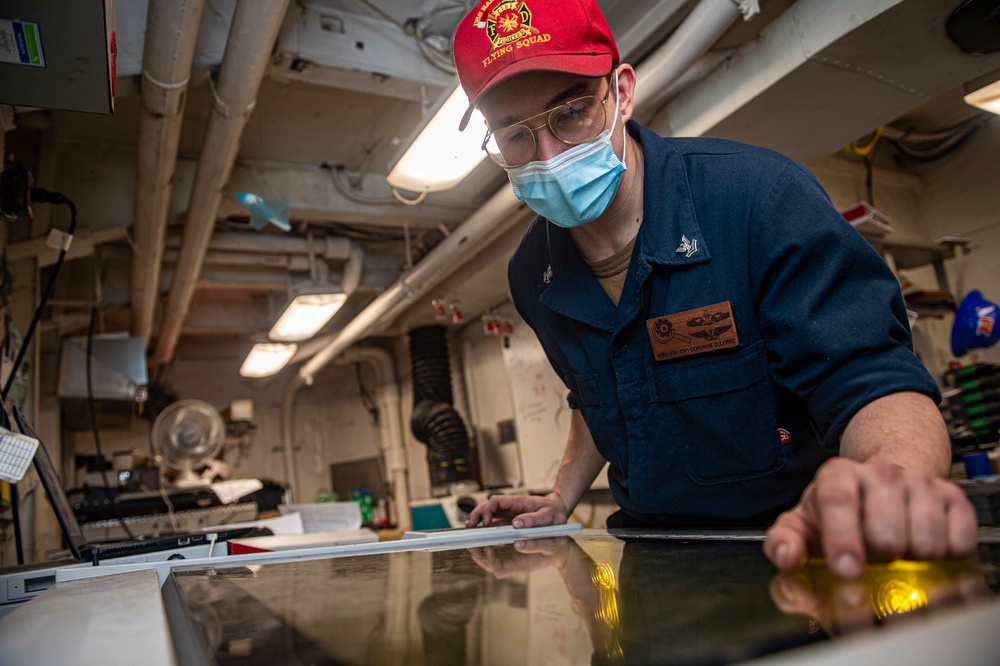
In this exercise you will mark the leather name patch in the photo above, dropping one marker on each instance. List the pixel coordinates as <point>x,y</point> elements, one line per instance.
<point>693,332</point>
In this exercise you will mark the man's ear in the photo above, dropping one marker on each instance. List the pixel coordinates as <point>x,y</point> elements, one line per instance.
<point>626,90</point>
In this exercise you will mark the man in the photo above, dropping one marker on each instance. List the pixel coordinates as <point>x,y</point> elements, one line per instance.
<point>722,331</point>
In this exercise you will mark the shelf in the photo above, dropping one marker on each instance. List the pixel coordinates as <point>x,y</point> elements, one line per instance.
<point>913,255</point>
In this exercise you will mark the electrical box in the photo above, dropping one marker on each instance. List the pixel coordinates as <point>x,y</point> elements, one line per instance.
<point>58,55</point>
<point>117,380</point>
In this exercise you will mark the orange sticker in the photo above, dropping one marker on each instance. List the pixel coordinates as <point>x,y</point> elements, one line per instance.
<point>693,332</point>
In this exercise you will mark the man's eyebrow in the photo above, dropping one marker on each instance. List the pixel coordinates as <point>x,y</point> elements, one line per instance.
<point>578,89</point>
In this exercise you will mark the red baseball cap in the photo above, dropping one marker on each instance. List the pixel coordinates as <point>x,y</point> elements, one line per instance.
<point>499,39</point>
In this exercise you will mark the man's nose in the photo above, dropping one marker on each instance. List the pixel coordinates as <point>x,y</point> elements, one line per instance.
<point>547,145</point>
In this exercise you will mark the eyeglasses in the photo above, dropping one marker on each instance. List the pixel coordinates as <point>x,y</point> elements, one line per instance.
<point>574,122</point>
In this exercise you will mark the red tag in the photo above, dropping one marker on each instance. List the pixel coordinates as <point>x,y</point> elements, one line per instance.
<point>786,437</point>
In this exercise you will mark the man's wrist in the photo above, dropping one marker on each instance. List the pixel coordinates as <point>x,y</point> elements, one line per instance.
<point>562,501</point>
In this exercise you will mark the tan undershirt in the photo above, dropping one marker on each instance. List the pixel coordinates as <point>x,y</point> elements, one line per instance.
<point>611,272</point>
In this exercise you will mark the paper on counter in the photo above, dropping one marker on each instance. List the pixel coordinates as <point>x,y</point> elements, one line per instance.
<point>326,516</point>
<point>230,491</point>
<point>290,523</point>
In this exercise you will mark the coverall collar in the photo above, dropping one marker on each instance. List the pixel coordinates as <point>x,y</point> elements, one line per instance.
<point>668,240</point>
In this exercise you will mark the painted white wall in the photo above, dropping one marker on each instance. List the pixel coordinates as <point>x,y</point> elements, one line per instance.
<point>962,198</point>
<point>953,196</point>
<point>489,403</point>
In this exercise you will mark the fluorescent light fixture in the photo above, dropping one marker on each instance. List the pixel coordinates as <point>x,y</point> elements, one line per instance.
<point>441,156</point>
<point>267,358</point>
<point>986,98</point>
<point>311,307</point>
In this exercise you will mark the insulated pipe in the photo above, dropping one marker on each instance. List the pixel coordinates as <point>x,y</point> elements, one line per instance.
<point>171,34</point>
<point>353,268</point>
<point>692,38</point>
<point>331,248</point>
<point>248,49</point>
<point>488,223</point>
<point>391,439</point>
<point>491,221</point>
<point>288,434</point>
<point>499,214</point>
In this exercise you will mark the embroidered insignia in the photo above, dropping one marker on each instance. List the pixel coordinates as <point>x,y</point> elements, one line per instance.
<point>984,322</point>
<point>785,436</point>
<point>508,22</point>
<point>688,247</point>
<point>693,332</point>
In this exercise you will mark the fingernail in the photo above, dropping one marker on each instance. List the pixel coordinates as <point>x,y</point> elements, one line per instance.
<point>852,594</point>
<point>519,545</point>
<point>781,554</point>
<point>518,523</point>
<point>847,566</point>
<point>786,590</point>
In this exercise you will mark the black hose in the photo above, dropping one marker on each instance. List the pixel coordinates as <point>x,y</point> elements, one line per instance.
<point>434,421</point>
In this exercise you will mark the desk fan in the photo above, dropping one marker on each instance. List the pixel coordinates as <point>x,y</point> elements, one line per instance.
<point>185,434</point>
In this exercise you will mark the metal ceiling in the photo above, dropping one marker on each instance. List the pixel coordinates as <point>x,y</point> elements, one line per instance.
<point>347,81</point>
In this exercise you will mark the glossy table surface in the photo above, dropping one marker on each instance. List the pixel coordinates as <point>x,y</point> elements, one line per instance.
<point>625,598</point>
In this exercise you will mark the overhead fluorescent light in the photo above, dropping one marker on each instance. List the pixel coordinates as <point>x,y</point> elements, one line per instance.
<point>267,358</point>
<point>311,307</point>
<point>441,157</point>
<point>986,98</point>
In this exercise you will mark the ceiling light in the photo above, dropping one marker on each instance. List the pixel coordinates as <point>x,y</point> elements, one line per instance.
<point>311,307</point>
<point>441,156</point>
<point>986,97</point>
<point>267,358</point>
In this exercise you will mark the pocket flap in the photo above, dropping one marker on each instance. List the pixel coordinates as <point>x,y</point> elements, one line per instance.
<point>729,371</point>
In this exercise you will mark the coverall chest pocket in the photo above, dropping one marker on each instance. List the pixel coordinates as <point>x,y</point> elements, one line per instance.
<point>720,415</point>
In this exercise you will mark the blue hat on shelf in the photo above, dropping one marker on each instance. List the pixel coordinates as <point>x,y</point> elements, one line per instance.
<point>975,324</point>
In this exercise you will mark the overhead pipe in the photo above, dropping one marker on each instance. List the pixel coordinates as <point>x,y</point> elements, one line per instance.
<point>692,38</point>
<point>392,444</point>
<point>492,220</point>
<point>171,35</point>
<point>703,26</point>
<point>248,49</point>
<point>331,248</point>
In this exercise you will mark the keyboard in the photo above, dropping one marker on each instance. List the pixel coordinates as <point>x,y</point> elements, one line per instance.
<point>16,453</point>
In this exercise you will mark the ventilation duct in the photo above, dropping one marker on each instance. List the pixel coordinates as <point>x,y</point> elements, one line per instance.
<point>434,421</point>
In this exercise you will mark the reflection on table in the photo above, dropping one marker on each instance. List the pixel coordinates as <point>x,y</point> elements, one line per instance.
<point>586,599</point>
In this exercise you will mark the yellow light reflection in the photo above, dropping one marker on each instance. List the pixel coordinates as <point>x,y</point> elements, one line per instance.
<point>606,610</point>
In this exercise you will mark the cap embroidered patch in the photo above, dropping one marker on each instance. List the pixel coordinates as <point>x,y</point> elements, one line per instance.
<point>499,39</point>
<point>693,332</point>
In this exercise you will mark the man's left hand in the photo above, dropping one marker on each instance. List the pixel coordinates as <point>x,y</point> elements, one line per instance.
<point>853,513</point>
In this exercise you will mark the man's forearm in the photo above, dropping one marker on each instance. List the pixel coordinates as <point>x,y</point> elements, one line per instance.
<point>581,463</point>
<point>903,428</point>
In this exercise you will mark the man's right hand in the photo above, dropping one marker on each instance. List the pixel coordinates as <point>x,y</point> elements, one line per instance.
<point>519,511</point>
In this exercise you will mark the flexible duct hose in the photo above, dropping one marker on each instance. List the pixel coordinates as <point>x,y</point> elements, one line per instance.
<point>434,421</point>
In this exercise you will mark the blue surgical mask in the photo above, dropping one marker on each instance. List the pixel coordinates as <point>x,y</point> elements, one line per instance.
<point>574,187</point>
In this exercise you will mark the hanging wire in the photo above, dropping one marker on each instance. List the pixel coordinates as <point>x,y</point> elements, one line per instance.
<point>436,56</point>
<point>93,425</point>
<point>367,400</point>
<point>45,196</point>
<point>928,144</point>
<point>863,150</point>
<point>337,178</point>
